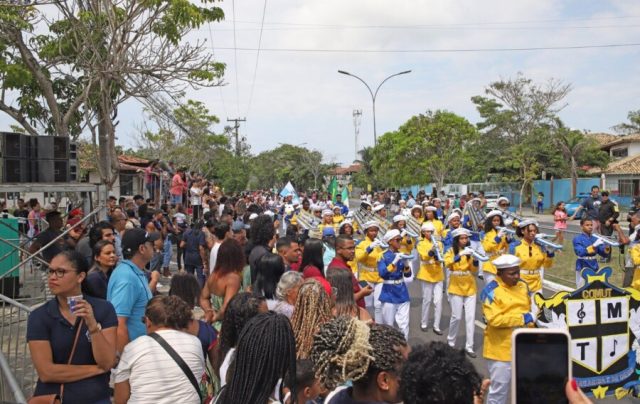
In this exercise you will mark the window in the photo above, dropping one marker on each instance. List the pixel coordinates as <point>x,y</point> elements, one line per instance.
<point>620,153</point>
<point>628,187</point>
<point>126,184</point>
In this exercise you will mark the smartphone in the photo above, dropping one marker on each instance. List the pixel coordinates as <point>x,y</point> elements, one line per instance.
<point>540,365</point>
<point>363,284</point>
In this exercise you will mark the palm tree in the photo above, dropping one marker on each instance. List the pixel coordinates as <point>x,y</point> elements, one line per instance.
<point>633,126</point>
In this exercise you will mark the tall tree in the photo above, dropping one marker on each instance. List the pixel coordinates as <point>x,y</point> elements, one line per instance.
<point>633,126</point>
<point>72,71</point>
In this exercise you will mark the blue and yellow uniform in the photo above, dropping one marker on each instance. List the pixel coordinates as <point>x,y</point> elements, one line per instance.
<point>588,254</point>
<point>430,269</point>
<point>463,268</point>
<point>494,247</point>
<point>534,259</point>
<point>367,261</point>
<point>394,290</point>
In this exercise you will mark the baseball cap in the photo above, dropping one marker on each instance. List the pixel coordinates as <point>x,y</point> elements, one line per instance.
<point>134,238</point>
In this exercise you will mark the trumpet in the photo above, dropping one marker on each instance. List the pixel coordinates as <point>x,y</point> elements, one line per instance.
<point>507,230</point>
<point>608,241</point>
<point>543,242</point>
<point>410,233</point>
<point>477,255</point>
<point>436,248</point>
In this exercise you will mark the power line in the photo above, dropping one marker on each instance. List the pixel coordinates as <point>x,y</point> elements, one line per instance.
<point>462,50</point>
<point>255,70</point>
<point>213,53</point>
<point>235,55</point>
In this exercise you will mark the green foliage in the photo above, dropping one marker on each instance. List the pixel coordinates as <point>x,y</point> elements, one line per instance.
<point>633,126</point>
<point>430,147</point>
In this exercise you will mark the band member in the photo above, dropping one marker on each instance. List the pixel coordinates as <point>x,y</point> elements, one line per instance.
<point>534,258</point>
<point>587,248</point>
<point>495,243</point>
<point>381,210</point>
<point>394,269</point>
<point>474,239</point>
<point>337,216</point>
<point>368,252</point>
<point>634,251</point>
<point>430,213</point>
<point>327,220</point>
<point>431,276</point>
<point>453,223</point>
<point>505,305</point>
<point>440,212</point>
<point>462,267</point>
<point>407,243</point>
<point>416,212</point>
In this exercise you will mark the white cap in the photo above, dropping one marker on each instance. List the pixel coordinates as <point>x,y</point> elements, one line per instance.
<point>402,201</point>
<point>436,200</point>
<point>457,210</point>
<point>378,208</point>
<point>459,232</point>
<point>475,200</point>
<point>390,235</point>
<point>371,223</point>
<point>453,215</point>
<point>431,208</point>
<point>506,261</point>
<point>502,198</point>
<point>253,216</point>
<point>349,222</point>
<point>337,207</point>
<point>269,213</point>
<point>327,212</point>
<point>416,207</point>
<point>365,202</point>
<point>493,213</point>
<point>427,226</point>
<point>316,208</point>
<point>376,203</point>
<point>398,218</point>
<point>527,222</point>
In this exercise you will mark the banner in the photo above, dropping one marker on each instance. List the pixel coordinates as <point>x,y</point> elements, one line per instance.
<point>345,197</point>
<point>333,188</point>
<point>604,323</point>
<point>289,190</point>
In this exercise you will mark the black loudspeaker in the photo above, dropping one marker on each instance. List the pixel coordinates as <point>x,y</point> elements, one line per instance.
<point>50,171</point>
<point>73,151</point>
<point>73,170</point>
<point>14,145</point>
<point>49,148</point>
<point>14,170</point>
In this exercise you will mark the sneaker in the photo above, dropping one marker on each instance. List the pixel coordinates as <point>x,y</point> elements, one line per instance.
<point>451,345</point>
<point>423,328</point>
<point>470,353</point>
<point>437,331</point>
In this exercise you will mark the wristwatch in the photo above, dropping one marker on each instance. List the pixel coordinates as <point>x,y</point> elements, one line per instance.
<point>96,330</point>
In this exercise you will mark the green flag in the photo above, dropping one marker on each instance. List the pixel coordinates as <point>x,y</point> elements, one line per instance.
<point>333,188</point>
<point>345,197</point>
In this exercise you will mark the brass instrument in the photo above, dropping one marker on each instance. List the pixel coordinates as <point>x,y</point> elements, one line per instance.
<point>361,217</point>
<point>436,248</point>
<point>476,216</point>
<point>413,225</point>
<point>307,221</point>
<point>543,242</point>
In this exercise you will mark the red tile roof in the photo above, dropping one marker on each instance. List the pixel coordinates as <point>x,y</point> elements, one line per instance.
<point>353,168</point>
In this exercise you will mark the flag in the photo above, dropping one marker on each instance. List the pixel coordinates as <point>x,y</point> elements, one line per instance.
<point>333,188</point>
<point>289,190</point>
<point>345,197</point>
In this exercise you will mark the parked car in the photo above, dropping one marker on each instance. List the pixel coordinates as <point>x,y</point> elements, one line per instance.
<point>572,204</point>
<point>492,200</point>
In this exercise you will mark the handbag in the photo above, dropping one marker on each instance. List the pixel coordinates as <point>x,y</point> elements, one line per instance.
<point>174,355</point>
<point>57,398</point>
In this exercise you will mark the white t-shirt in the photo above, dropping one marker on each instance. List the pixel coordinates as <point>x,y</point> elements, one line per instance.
<point>154,376</point>
<point>213,256</point>
<point>224,368</point>
<point>196,196</point>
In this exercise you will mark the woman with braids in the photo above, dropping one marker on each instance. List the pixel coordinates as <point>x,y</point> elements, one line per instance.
<point>312,309</point>
<point>344,299</point>
<point>346,349</point>
<point>225,281</point>
<point>312,264</point>
<point>436,373</point>
<point>242,308</point>
<point>146,372</point>
<point>264,360</point>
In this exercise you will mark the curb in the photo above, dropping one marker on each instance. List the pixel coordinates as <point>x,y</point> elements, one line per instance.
<point>556,287</point>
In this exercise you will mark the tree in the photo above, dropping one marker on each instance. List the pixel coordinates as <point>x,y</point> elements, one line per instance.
<point>633,126</point>
<point>73,71</point>
<point>429,147</point>
<point>518,120</point>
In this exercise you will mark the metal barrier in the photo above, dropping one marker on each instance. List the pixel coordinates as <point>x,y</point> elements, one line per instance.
<point>15,362</point>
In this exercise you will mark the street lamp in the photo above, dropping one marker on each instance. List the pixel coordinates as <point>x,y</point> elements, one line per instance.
<point>373,96</point>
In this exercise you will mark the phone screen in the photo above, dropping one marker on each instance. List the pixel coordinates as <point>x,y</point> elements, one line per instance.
<point>363,284</point>
<point>542,368</point>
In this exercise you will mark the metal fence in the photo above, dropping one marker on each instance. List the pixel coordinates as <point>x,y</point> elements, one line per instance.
<point>18,373</point>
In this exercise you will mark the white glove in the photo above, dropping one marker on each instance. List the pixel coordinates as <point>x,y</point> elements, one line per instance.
<point>403,233</point>
<point>406,256</point>
<point>375,243</point>
<point>397,259</point>
<point>598,243</point>
<point>502,233</point>
<point>466,251</point>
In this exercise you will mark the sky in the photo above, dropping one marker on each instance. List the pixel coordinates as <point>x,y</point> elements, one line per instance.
<point>299,98</point>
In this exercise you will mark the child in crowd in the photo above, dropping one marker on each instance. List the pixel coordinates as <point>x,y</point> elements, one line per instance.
<point>560,222</point>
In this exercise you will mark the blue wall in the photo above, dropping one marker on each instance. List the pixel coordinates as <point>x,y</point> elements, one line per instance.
<point>561,189</point>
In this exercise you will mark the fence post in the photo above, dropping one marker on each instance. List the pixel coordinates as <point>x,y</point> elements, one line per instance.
<point>551,201</point>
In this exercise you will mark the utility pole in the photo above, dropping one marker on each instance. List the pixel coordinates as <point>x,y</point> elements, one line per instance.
<point>236,126</point>
<point>357,113</point>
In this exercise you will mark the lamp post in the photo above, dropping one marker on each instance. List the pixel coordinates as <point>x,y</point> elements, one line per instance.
<point>373,96</point>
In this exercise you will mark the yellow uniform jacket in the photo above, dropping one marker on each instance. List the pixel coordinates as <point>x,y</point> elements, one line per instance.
<point>635,257</point>
<point>493,247</point>
<point>367,260</point>
<point>504,308</point>
<point>438,225</point>
<point>337,219</point>
<point>533,260</point>
<point>430,269</point>
<point>462,280</point>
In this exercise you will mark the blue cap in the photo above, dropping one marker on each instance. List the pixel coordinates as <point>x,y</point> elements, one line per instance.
<point>328,231</point>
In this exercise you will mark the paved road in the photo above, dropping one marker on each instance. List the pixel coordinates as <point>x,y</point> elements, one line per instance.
<point>417,336</point>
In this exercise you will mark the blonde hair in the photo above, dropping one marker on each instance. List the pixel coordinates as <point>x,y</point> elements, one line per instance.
<point>311,310</point>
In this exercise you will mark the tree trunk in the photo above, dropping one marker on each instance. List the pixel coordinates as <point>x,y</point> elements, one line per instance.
<point>108,165</point>
<point>574,176</point>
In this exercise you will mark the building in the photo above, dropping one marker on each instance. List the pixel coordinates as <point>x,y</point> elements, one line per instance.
<point>344,174</point>
<point>622,175</point>
<point>130,180</point>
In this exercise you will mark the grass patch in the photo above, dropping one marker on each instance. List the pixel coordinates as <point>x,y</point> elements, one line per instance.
<point>563,269</point>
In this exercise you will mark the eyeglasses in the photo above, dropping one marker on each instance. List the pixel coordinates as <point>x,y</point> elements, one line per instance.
<point>58,272</point>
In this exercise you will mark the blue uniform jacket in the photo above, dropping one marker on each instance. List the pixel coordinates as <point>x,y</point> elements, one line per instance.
<point>581,244</point>
<point>393,293</point>
<point>343,208</point>
<point>466,222</point>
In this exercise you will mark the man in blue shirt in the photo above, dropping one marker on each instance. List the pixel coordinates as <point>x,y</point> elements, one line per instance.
<point>344,209</point>
<point>128,289</point>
